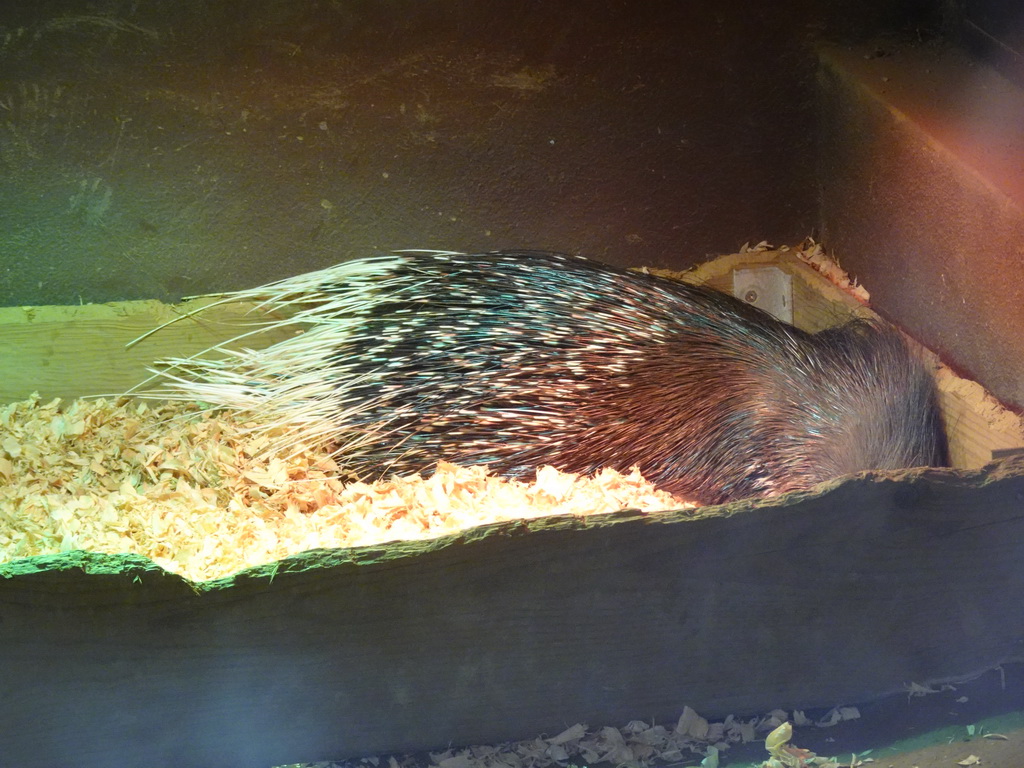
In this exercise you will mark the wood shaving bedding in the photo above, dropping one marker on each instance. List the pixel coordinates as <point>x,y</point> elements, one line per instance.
<point>192,490</point>
<point>812,254</point>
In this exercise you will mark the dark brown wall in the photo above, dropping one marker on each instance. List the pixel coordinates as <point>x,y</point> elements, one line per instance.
<point>172,149</point>
<point>922,199</point>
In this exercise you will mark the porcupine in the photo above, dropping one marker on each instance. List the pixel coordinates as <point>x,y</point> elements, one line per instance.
<point>519,359</point>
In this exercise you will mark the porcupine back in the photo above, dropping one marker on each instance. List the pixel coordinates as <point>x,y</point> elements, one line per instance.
<point>520,359</point>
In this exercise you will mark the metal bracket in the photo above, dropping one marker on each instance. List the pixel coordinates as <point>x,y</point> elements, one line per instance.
<point>768,288</point>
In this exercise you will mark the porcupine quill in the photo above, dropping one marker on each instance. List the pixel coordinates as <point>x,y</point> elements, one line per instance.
<point>518,359</point>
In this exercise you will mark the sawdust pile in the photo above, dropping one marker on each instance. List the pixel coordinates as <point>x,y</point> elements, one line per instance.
<point>193,490</point>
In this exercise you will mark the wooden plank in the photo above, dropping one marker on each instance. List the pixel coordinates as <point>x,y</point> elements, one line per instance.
<point>516,629</point>
<point>80,351</point>
<point>817,302</point>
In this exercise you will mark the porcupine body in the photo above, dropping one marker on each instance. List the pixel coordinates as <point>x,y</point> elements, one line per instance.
<point>520,359</point>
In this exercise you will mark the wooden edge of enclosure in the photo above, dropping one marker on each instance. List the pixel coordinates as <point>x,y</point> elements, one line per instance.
<point>110,575</point>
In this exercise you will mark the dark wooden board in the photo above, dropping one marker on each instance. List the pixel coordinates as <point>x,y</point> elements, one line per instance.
<point>515,629</point>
